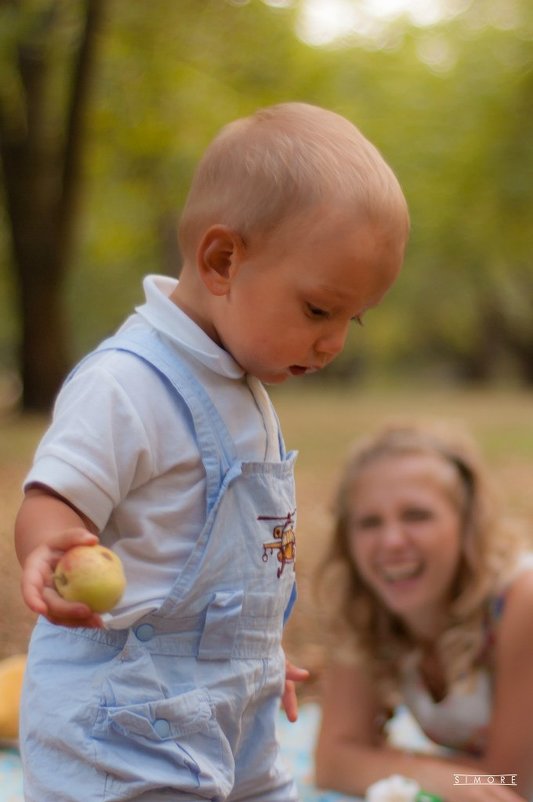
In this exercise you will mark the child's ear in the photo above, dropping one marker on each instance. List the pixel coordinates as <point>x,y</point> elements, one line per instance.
<point>218,258</point>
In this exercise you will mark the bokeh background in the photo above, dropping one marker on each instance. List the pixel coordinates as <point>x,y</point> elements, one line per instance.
<point>105,108</point>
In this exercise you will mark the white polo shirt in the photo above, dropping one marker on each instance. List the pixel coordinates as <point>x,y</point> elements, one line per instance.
<point>119,450</point>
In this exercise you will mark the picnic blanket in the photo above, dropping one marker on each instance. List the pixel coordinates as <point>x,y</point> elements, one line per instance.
<point>10,776</point>
<point>297,745</point>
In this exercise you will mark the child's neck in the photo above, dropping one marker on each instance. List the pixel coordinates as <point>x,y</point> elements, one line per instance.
<point>189,300</point>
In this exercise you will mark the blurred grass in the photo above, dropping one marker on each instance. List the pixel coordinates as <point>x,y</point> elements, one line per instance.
<point>320,423</point>
<point>320,418</point>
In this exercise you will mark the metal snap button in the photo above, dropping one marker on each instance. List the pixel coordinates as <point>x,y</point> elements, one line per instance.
<point>145,632</point>
<point>162,727</point>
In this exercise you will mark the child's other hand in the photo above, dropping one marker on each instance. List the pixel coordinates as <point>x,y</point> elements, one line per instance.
<point>289,702</point>
<point>37,582</point>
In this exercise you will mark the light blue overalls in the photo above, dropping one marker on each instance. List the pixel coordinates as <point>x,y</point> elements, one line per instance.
<point>183,705</point>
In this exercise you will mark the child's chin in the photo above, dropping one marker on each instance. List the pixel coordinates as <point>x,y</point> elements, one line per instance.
<point>273,377</point>
<point>271,382</point>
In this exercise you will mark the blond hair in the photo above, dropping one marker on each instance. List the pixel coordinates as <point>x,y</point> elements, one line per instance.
<point>361,627</point>
<point>285,160</point>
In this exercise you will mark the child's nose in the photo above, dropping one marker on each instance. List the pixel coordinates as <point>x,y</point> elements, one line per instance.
<point>331,342</point>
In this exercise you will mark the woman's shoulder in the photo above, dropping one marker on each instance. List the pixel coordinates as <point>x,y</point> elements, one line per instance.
<point>518,582</point>
<point>508,608</point>
<point>519,592</point>
<point>515,622</point>
<point>523,565</point>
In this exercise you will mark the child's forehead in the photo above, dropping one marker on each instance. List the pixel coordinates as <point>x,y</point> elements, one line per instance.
<point>338,221</point>
<point>329,221</point>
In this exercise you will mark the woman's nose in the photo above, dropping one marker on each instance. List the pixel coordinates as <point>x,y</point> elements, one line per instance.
<point>392,535</point>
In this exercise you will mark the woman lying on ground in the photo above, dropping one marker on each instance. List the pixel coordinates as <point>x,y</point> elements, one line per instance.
<point>432,607</point>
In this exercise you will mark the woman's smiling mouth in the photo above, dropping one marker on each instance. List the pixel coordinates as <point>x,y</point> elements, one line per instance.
<point>400,572</point>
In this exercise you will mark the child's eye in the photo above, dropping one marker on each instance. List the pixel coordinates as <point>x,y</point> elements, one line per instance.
<point>316,311</point>
<point>358,319</point>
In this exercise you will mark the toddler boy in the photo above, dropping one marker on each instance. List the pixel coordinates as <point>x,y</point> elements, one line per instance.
<point>164,446</point>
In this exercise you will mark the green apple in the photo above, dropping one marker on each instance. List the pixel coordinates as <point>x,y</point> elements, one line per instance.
<point>90,574</point>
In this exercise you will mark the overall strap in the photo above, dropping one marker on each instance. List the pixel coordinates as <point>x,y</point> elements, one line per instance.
<point>215,443</point>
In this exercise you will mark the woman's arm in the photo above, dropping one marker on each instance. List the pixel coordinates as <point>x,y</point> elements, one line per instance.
<point>510,742</point>
<point>45,528</point>
<point>351,753</point>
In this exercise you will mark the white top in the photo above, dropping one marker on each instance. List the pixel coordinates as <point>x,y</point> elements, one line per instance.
<point>461,719</point>
<point>121,453</point>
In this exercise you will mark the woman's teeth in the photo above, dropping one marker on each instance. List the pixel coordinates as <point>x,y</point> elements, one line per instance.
<point>398,573</point>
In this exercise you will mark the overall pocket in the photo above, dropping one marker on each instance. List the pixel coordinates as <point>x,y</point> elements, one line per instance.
<point>150,738</point>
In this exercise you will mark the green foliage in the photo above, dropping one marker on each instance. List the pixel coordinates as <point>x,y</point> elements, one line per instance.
<point>449,106</point>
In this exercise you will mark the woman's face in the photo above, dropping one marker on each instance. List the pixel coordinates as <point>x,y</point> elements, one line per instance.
<point>405,535</point>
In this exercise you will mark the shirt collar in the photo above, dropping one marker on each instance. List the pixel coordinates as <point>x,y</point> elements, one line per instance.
<point>163,314</point>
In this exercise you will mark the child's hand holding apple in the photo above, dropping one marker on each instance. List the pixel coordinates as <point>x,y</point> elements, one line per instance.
<point>69,587</point>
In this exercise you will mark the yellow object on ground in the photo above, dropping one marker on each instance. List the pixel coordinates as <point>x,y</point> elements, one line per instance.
<point>11,675</point>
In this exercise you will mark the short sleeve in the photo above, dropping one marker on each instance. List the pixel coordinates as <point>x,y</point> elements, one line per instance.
<point>96,448</point>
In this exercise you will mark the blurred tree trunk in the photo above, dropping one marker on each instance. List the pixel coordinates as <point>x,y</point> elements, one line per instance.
<point>516,330</point>
<point>41,172</point>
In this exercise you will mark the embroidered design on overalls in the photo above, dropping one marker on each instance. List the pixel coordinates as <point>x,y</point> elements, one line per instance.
<point>285,542</point>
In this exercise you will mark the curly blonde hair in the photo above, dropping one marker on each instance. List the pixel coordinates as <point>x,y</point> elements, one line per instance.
<point>360,625</point>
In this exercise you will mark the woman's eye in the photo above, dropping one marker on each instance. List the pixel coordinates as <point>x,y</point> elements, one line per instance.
<point>417,515</point>
<point>367,523</point>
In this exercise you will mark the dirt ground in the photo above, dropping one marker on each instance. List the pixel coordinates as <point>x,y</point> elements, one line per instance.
<point>16,621</point>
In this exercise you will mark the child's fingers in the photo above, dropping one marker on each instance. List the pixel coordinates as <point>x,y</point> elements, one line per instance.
<point>290,702</point>
<point>42,598</point>
<point>295,673</point>
<point>69,614</point>
<point>35,576</point>
<point>37,585</point>
<point>33,598</point>
<point>92,622</point>
<point>75,536</point>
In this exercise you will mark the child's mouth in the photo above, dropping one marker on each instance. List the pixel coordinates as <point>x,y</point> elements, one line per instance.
<point>299,370</point>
